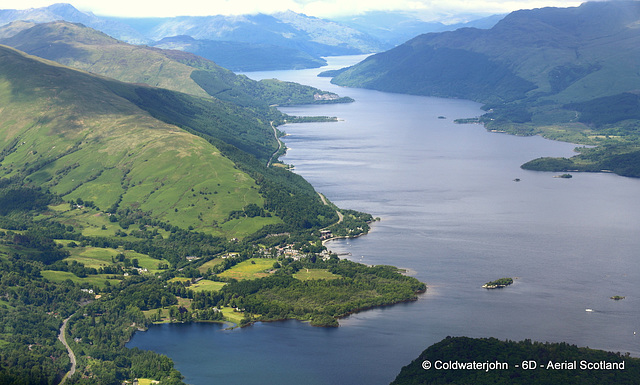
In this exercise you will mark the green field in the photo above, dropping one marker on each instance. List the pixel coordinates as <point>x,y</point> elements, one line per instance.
<point>207,285</point>
<point>231,315</point>
<point>209,264</point>
<point>146,381</point>
<point>97,257</point>
<point>96,280</point>
<point>310,274</point>
<point>250,269</point>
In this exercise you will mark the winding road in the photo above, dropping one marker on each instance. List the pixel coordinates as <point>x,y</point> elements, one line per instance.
<point>275,133</point>
<point>72,357</point>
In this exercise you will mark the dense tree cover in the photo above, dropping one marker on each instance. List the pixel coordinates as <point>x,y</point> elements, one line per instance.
<point>354,223</point>
<point>32,308</point>
<point>620,158</point>
<point>491,350</point>
<point>100,332</point>
<point>31,311</point>
<point>281,296</point>
<point>609,109</point>
<point>273,91</point>
<point>421,69</point>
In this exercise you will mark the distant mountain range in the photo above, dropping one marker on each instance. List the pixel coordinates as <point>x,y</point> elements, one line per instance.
<point>538,71</point>
<point>284,40</point>
<point>396,27</point>
<point>63,11</point>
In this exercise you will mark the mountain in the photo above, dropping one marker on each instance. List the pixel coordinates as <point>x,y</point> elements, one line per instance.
<point>134,148</point>
<point>81,47</point>
<point>558,54</point>
<point>538,71</point>
<point>243,57</point>
<point>317,37</point>
<point>63,11</point>
<point>396,27</point>
<point>284,36</point>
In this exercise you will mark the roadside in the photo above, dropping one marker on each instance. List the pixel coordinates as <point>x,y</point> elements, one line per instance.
<point>275,133</point>
<point>72,357</point>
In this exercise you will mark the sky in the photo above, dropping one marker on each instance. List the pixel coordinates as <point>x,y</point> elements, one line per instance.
<point>428,9</point>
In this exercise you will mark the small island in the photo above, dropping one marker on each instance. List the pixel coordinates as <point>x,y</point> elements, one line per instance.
<point>564,176</point>
<point>498,283</point>
<point>617,297</point>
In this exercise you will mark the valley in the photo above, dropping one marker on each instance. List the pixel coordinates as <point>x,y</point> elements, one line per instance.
<point>152,227</point>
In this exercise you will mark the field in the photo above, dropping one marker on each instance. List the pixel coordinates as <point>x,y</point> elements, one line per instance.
<point>97,257</point>
<point>310,274</point>
<point>209,264</point>
<point>146,381</point>
<point>96,280</point>
<point>250,269</point>
<point>231,315</point>
<point>207,285</point>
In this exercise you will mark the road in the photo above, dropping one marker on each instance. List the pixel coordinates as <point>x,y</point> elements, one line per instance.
<point>72,357</point>
<point>275,133</point>
<point>340,216</point>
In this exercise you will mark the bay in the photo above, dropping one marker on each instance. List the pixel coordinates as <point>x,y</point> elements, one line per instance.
<point>452,214</point>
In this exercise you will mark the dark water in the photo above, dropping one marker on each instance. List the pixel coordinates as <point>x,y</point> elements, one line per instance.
<point>452,214</point>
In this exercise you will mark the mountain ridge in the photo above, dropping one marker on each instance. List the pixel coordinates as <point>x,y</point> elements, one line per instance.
<point>536,71</point>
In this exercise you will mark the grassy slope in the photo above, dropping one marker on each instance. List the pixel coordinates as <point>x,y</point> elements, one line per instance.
<point>80,47</point>
<point>68,131</point>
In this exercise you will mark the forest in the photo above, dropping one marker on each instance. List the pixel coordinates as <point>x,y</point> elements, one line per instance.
<point>146,271</point>
<point>520,357</point>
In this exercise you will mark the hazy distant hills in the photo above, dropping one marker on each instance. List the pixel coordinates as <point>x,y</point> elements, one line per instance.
<point>81,47</point>
<point>315,36</point>
<point>63,11</point>
<point>396,27</point>
<point>285,40</point>
<point>243,57</point>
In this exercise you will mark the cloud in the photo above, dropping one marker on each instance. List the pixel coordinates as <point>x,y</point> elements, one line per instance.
<point>320,8</point>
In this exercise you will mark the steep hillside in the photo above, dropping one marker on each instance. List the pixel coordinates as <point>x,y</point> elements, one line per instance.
<point>564,55</point>
<point>538,71</point>
<point>80,47</point>
<point>117,145</point>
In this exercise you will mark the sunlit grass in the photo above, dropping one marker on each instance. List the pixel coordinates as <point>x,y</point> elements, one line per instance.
<point>250,269</point>
<point>311,274</point>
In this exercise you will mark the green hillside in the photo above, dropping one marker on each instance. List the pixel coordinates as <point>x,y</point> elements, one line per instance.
<point>538,72</point>
<point>554,54</point>
<point>81,47</point>
<point>70,132</point>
